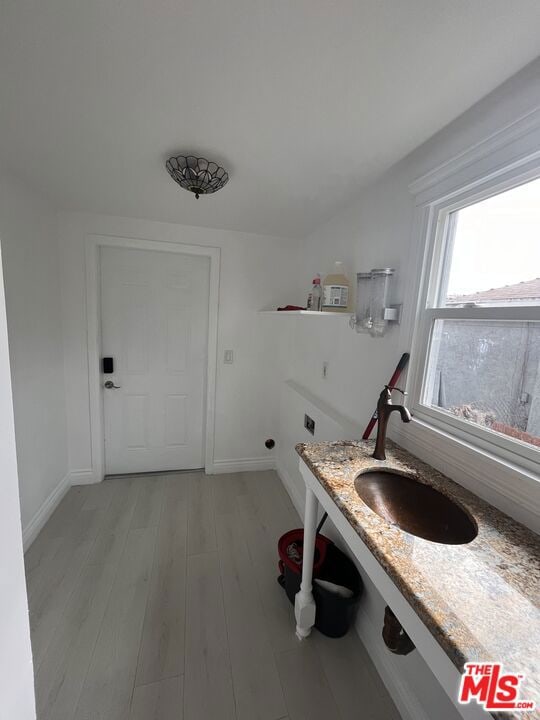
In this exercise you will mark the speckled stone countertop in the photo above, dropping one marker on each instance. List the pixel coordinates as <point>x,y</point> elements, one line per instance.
<point>480,600</point>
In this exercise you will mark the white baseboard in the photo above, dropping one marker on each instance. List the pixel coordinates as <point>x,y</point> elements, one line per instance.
<point>32,530</point>
<point>241,465</point>
<point>83,477</point>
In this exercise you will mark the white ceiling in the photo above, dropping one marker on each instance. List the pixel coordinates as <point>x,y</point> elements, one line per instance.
<point>303,101</point>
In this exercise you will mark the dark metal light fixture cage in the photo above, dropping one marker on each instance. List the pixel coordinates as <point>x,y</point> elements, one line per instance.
<point>198,175</point>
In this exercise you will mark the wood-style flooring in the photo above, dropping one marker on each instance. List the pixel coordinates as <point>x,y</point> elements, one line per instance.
<point>155,598</point>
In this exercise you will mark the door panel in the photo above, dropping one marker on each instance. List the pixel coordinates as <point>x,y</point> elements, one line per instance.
<point>134,425</point>
<point>176,420</point>
<point>154,323</point>
<point>178,338</point>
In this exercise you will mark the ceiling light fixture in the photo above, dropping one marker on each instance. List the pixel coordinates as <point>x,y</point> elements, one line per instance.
<point>198,175</point>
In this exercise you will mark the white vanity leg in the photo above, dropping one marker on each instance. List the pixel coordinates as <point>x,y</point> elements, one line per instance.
<point>304,604</point>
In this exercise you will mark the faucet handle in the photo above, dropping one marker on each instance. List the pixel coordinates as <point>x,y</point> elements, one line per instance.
<point>393,387</point>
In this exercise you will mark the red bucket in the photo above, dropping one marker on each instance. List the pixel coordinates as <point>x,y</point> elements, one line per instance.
<point>296,537</point>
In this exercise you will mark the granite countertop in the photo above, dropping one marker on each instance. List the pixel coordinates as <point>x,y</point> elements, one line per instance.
<point>480,600</point>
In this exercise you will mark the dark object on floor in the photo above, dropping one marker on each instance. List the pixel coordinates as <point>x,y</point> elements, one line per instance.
<point>394,636</point>
<point>334,613</point>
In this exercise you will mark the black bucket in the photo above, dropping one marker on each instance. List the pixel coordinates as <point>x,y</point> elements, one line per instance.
<point>334,614</point>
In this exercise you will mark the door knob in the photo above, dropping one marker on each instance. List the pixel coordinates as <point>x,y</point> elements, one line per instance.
<point>110,385</point>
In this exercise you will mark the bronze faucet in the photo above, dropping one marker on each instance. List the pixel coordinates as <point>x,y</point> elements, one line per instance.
<point>384,409</point>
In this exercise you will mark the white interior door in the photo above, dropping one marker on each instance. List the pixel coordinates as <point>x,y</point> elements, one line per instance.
<point>154,324</point>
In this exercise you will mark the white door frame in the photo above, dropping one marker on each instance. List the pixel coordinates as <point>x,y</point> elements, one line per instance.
<point>93,244</point>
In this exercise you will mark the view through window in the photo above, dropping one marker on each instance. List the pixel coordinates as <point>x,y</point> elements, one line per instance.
<point>487,371</point>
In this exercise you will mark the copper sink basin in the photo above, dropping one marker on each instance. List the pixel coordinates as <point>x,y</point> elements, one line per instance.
<point>416,508</point>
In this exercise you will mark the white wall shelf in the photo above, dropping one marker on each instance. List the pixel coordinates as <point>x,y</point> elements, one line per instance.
<point>311,313</point>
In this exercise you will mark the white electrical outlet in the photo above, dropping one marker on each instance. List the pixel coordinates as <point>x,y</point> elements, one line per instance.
<point>228,357</point>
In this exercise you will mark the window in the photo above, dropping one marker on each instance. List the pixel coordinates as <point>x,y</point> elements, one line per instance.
<point>479,326</point>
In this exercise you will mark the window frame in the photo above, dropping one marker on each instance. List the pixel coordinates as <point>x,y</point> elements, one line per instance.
<point>436,230</point>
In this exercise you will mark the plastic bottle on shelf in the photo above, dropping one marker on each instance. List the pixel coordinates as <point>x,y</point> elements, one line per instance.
<point>314,301</point>
<point>336,291</point>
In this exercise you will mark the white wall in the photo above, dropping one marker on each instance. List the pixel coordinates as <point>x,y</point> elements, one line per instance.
<point>28,233</point>
<point>256,272</point>
<point>16,672</point>
<point>377,231</point>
